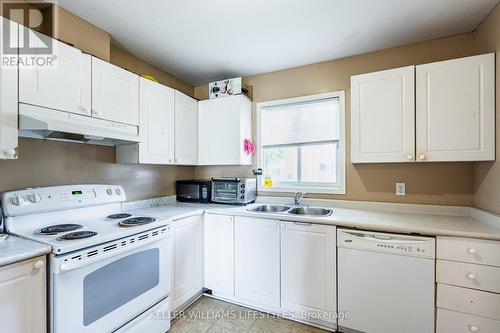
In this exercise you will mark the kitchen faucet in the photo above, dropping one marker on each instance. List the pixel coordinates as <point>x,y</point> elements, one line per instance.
<point>297,198</point>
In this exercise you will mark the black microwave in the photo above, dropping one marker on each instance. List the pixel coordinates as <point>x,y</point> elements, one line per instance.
<point>194,190</point>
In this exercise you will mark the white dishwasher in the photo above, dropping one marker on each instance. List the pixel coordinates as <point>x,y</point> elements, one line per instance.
<point>386,282</point>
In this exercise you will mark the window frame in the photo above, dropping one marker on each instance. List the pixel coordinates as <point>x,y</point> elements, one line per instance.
<point>307,187</point>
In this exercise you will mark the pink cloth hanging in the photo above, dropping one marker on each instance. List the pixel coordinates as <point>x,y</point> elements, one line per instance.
<point>249,146</point>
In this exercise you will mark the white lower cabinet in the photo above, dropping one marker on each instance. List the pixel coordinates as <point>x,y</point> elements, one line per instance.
<point>188,260</point>
<point>308,272</point>
<point>455,322</point>
<point>219,254</point>
<point>257,262</point>
<point>468,289</point>
<point>23,295</point>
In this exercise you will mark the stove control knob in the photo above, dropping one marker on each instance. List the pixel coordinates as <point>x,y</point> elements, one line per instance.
<point>118,191</point>
<point>17,201</point>
<point>34,198</point>
<point>109,191</point>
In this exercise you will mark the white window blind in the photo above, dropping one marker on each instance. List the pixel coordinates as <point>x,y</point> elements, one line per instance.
<point>315,121</point>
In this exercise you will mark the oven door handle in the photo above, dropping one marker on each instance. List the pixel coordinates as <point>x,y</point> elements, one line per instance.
<point>69,266</point>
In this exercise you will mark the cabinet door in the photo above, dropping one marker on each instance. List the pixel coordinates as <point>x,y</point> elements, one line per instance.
<point>223,125</point>
<point>382,116</point>
<point>115,93</point>
<point>218,238</point>
<point>186,129</point>
<point>257,262</point>
<point>8,99</point>
<point>66,86</point>
<point>456,110</point>
<point>188,260</point>
<point>156,123</point>
<point>23,295</point>
<point>308,270</point>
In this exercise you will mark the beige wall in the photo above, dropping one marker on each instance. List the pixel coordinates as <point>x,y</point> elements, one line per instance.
<point>432,183</point>
<point>126,60</point>
<point>45,163</point>
<point>69,28</point>
<point>487,174</point>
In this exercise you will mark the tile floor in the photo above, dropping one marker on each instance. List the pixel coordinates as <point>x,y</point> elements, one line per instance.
<point>208,315</point>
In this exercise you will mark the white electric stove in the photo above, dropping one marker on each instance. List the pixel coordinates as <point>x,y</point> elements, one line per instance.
<point>110,270</point>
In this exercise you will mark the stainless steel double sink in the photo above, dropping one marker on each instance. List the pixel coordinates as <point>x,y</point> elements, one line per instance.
<point>308,211</point>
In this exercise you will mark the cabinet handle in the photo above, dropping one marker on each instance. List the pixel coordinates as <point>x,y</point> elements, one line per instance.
<point>409,157</point>
<point>471,276</point>
<point>11,153</point>
<point>422,157</point>
<point>303,223</point>
<point>472,251</point>
<point>39,264</point>
<point>95,112</point>
<point>473,328</point>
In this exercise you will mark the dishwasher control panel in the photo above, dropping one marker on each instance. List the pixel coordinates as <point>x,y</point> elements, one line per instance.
<point>388,243</point>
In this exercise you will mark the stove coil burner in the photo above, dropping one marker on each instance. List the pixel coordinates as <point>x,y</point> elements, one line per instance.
<point>136,221</point>
<point>78,235</point>
<point>58,228</point>
<point>119,216</point>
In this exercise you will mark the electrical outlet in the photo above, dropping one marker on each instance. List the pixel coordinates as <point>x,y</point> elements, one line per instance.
<point>400,189</point>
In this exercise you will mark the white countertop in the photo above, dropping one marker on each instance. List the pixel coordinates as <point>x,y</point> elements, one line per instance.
<point>14,249</point>
<point>424,224</point>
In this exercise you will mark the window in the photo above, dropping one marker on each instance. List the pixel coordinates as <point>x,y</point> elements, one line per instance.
<point>301,144</point>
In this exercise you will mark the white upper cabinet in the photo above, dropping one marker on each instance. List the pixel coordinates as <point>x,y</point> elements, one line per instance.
<point>8,101</point>
<point>156,123</point>
<point>224,124</point>
<point>186,129</point>
<point>156,127</point>
<point>456,110</point>
<point>257,262</point>
<point>382,116</point>
<point>66,86</point>
<point>452,101</point>
<point>115,93</point>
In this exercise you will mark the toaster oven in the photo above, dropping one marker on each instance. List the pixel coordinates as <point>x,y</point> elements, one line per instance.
<point>234,190</point>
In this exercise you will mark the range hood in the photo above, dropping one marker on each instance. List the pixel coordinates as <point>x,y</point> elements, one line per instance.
<point>41,123</point>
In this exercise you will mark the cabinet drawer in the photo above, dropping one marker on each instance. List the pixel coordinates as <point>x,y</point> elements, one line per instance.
<point>475,251</point>
<point>456,322</point>
<point>474,302</point>
<point>467,275</point>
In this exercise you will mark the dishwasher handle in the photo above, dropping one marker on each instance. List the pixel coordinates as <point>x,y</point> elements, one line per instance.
<point>388,238</point>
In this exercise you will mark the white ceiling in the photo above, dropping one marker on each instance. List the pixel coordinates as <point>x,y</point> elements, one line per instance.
<point>201,40</point>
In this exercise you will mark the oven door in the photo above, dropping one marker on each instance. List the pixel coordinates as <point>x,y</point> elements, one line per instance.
<point>105,294</point>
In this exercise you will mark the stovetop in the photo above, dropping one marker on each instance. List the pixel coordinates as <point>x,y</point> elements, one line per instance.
<point>73,226</point>
<point>67,234</point>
